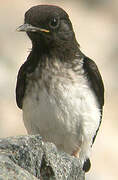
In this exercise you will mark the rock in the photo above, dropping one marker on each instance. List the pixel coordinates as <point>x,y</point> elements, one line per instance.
<point>29,158</point>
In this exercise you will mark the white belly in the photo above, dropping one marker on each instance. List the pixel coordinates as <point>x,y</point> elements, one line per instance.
<point>68,115</point>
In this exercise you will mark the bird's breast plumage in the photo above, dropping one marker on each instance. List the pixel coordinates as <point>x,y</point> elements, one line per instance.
<point>59,105</point>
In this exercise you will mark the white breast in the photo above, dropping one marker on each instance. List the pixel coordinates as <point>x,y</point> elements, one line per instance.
<point>67,114</point>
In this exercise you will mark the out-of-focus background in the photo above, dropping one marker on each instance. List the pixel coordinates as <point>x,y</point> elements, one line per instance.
<point>96,27</point>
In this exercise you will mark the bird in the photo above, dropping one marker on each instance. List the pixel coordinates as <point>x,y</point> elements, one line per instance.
<point>59,89</point>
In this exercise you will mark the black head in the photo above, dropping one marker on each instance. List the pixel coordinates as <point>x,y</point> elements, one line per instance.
<point>49,26</point>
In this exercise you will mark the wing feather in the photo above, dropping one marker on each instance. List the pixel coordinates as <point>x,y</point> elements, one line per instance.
<point>96,83</point>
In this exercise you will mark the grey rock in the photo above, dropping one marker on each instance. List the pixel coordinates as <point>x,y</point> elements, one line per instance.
<point>29,158</point>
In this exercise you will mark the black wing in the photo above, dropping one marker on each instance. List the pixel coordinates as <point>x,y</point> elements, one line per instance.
<point>96,83</point>
<point>21,85</point>
<point>27,68</point>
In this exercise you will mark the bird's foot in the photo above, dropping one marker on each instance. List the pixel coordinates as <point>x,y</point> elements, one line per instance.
<point>76,153</point>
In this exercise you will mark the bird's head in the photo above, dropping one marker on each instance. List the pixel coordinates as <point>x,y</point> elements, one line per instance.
<point>49,26</point>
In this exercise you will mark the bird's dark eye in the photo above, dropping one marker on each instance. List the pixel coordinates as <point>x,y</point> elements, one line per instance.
<point>54,22</point>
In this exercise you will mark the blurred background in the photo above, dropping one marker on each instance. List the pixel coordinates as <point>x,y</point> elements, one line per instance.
<point>96,26</point>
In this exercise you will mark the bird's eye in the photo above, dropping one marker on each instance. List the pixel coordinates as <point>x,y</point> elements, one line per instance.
<point>54,22</point>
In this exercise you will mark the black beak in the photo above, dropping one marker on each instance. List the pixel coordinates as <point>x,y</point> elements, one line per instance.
<point>30,28</point>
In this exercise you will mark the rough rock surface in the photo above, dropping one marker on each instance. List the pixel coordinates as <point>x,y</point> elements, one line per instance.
<point>29,158</point>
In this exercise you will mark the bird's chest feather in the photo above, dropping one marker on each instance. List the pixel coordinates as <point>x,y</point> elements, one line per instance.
<point>60,106</point>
